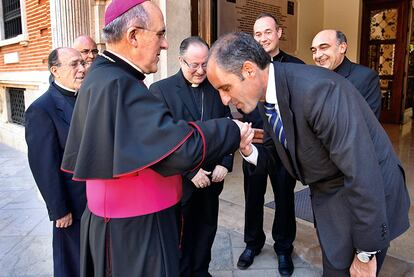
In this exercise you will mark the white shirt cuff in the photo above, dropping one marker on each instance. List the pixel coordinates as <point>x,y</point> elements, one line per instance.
<point>252,158</point>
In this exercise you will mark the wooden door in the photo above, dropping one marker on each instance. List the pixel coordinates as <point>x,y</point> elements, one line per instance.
<point>409,82</point>
<point>203,14</point>
<point>384,49</point>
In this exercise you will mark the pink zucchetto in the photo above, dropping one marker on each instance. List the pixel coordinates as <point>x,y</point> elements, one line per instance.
<point>118,8</point>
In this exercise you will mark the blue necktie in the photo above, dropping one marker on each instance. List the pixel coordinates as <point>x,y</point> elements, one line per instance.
<point>275,122</point>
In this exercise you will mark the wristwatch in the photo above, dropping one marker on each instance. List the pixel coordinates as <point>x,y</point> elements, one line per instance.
<point>364,256</point>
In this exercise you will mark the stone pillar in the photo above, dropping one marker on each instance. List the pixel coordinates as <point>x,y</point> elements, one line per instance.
<point>69,19</point>
<point>98,12</point>
<point>178,27</point>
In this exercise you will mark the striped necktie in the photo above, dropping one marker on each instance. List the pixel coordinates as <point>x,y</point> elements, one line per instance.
<point>276,122</point>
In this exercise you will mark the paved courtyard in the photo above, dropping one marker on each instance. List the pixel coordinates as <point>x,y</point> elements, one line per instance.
<point>25,232</point>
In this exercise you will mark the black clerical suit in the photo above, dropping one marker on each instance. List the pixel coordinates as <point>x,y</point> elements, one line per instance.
<point>365,80</point>
<point>120,129</point>
<point>199,205</point>
<point>284,221</point>
<point>337,147</point>
<point>47,126</point>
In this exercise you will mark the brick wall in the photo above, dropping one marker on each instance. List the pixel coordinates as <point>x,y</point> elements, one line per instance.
<point>34,55</point>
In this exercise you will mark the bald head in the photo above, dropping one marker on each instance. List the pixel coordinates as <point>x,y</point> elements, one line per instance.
<point>329,48</point>
<point>87,47</point>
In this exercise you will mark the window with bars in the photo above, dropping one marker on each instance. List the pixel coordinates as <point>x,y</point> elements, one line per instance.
<point>17,107</point>
<point>11,18</point>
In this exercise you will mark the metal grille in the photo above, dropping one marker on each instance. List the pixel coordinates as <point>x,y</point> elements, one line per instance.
<point>17,105</point>
<point>303,205</point>
<point>12,18</point>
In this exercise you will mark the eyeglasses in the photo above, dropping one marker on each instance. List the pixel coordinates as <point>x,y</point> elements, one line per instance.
<point>160,34</point>
<point>195,66</point>
<point>87,51</point>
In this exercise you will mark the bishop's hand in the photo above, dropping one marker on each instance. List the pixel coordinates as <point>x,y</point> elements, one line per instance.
<point>246,136</point>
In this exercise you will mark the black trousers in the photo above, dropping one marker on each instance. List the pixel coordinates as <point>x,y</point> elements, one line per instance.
<point>199,226</point>
<point>66,250</point>
<point>284,222</point>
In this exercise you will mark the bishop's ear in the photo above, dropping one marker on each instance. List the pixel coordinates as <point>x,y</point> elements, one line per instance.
<point>132,34</point>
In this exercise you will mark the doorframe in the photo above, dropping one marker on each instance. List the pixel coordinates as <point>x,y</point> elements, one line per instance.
<point>203,19</point>
<point>194,17</point>
<point>401,53</point>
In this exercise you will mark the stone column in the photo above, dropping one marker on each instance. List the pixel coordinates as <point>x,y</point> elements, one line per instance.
<point>69,19</point>
<point>98,12</point>
<point>177,17</point>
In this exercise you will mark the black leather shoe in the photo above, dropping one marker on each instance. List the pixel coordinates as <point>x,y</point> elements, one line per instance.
<point>285,265</point>
<point>246,258</point>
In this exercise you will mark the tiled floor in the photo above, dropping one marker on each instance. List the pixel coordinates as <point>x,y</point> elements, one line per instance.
<point>402,138</point>
<point>25,232</point>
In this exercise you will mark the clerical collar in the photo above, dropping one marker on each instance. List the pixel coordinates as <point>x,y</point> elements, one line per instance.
<point>188,82</point>
<point>65,88</point>
<point>125,60</point>
<point>339,67</point>
<point>279,57</point>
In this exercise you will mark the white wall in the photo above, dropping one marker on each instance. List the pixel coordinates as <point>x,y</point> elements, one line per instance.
<point>310,17</point>
<point>316,15</point>
<point>345,16</point>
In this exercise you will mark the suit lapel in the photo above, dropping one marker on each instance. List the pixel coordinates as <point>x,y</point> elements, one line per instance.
<point>63,108</point>
<point>282,94</point>
<point>186,96</point>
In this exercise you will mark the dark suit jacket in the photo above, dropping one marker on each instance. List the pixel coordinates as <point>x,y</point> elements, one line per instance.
<point>365,80</point>
<point>176,93</point>
<point>338,148</point>
<point>47,126</point>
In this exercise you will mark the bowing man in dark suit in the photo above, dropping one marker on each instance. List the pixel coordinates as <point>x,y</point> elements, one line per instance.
<point>328,138</point>
<point>190,97</point>
<point>267,31</point>
<point>329,50</point>
<point>47,126</point>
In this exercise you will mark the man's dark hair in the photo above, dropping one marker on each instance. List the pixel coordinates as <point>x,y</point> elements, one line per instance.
<point>137,16</point>
<point>265,14</point>
<point>53,58</point>
<point>230,52</point>
<point>340,37</point>
<point>191,40</point>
